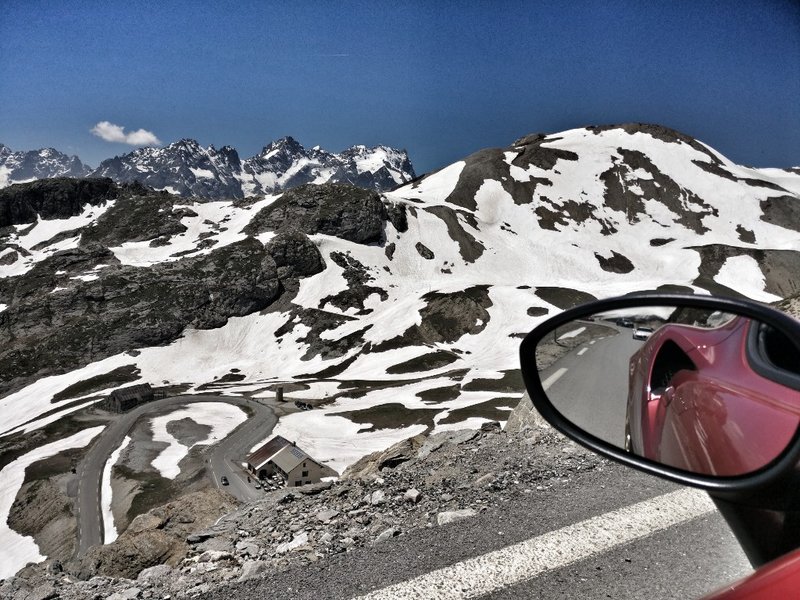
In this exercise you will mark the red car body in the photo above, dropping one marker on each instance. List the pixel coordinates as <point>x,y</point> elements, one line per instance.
<point>697,401</point>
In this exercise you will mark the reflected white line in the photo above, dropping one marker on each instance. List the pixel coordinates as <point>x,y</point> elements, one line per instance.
<point>553,378</point>
<point>582,352</point>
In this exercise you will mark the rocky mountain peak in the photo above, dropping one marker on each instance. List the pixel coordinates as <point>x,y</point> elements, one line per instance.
<point>45,163</point>
<point>186,168</point>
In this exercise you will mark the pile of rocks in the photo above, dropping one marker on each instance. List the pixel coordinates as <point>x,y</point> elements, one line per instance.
<point>422,482</point>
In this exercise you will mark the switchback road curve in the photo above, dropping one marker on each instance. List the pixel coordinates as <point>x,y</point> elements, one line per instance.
<point>220,457</point>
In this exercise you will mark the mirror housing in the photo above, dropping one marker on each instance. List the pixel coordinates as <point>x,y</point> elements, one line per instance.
<point>760,486</point>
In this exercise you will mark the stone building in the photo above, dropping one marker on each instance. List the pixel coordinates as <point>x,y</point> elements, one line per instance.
<point>281,457</point>
<point>126,398</point>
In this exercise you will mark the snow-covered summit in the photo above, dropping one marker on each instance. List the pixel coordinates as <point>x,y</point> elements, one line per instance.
<point>285,164</point>
<point>22,166</point>
<point>186,168</point>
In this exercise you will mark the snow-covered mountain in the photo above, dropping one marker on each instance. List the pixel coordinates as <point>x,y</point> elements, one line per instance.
<point>19,167</point>
<point>187,169</point>
<point>285,164</point>
<point>392,313</point>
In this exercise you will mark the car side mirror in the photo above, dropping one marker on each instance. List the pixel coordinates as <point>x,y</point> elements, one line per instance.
<point>701,390</point>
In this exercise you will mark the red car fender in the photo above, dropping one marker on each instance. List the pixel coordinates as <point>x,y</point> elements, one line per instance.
<point>777,579</point>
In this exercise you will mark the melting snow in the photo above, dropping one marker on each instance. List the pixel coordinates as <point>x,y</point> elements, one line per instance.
<point>221,417</point>
<point>18,550</point>
<point>743,274</point>
<point>110,532</point>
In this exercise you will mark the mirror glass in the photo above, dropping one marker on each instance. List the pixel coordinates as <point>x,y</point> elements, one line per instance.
<point>711,393</point>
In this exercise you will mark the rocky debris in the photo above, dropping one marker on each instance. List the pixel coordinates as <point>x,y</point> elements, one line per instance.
<point>57,198</point>
<point>451,516</point>
<point>372,464</point>
<point>412,495</point>
<point>157,540</point>
<point>442,478</point>
<point>341,210</point>
<point>783,211</point>
<point>123,307</point>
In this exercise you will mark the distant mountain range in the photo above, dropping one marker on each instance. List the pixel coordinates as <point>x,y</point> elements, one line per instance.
<point>185,168</point>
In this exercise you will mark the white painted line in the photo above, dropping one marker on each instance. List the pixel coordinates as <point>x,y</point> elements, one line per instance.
<point>573,333</point>
<point>514,564</point>
<point>583,351</point>
<point>553,378</point>
<point>592,342</point>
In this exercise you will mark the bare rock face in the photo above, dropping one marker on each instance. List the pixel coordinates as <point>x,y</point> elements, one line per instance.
<point>341,210</point>
<point>123,307</point>
<point>58,198</point>
<point>136,219</point>
<point>295,254</point>
<point>155,538</point>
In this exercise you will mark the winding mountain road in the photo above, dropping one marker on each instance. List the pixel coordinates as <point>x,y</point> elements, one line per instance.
<point>221,457</point>
<point>589,384</point>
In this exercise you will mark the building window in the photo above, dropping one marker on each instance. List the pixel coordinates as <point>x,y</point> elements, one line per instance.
<point>304,474</point>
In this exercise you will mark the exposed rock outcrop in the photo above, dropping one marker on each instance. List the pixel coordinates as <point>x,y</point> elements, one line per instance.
<point>341,210</point>
<point>57,198</point>
<point>121,308</point>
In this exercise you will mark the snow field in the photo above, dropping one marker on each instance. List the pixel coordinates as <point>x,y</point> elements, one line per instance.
<point>221,213</point>
<point>46,229</point>
<point>221,417</point>
<point>110,532</point>
<point>18,550</point>
<point>743,274</point>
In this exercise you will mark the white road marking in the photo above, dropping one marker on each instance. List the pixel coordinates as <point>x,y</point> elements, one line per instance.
<point>573,333</point>
<point>583,351</point>
<point>592,342</point>
<point>514,564</point>
<point>553,378</point>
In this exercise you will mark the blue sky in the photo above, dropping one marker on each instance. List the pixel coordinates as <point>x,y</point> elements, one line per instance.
<point>441,79</point>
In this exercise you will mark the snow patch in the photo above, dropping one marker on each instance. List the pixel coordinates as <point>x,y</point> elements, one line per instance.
<point>110,531</point>
<point>18,550</point>
<point>221,417</point>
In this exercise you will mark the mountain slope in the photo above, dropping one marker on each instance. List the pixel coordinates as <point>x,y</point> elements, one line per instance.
<point>414,319</point>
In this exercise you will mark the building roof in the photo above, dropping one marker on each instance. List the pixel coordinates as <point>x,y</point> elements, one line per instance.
<point>132,391</point>
<point>288,457</point>
<point>261,456</point>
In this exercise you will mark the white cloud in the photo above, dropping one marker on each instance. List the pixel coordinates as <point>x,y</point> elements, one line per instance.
<point>115,133</point>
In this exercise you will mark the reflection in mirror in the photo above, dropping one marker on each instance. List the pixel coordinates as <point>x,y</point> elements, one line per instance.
<point>711,393</point>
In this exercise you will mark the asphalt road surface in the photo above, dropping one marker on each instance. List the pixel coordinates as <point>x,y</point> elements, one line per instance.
<point>223,457</point>
<point>567,541</point>
<point>589,384</point>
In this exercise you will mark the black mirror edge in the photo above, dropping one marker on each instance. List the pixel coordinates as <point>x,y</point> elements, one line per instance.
<point>760,488</point>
